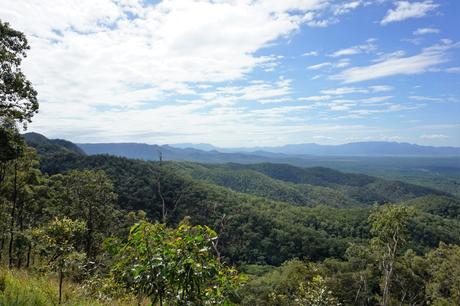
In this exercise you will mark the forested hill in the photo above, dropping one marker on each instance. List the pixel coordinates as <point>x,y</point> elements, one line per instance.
<point>282,182</point>
<point>151,152</point>
<point>271,212</point>
<point>45,146</point>
<point>305,186</point>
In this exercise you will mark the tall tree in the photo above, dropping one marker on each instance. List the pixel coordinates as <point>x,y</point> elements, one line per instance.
<point>89,196</point>
<point>18,99</point>
<point>59,246</point>
<point>389,228</point>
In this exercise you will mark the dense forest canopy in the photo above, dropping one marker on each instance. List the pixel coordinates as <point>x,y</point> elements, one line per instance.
<point>81,229</point>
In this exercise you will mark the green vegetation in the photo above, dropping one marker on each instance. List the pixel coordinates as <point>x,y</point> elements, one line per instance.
<point>170,266</point>
<point>105,230</point>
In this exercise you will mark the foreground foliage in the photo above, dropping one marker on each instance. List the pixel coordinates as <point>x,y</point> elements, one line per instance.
<point>174,265</point>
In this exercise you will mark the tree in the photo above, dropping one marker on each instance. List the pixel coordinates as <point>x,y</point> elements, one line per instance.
<point>59,246</point>
<point>173,266</point>
<point>86,195</point>
<point>443,287</point>
<point>310,293</point>
<point>22,189</point>
<point>410,278</point>
<point>294,283</point>
<point>18,99</point>
<point>389,228</point>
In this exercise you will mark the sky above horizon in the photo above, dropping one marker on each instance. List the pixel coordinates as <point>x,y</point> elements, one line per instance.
<point>243,72</point>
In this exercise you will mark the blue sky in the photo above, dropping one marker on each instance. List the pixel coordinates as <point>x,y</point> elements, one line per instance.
<point>243,73</point>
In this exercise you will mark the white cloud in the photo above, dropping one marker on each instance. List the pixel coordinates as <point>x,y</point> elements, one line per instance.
<point>434,136</point>
<point>423,98</point>
<point>422,62</point>
<point>375,99</point>
<point>453,69</point>
<point>386,56</point>
<point>346,7</point>
<point>445,98</point>
<point>129,53</point>
<point>311,53</point>
<point>316,98</point>
<point>423,31</point>
<point>343,91</point>
<point>316,77</point>
<point>181,71</point>
<point>380,88</point>
<point>405,10</point>
<point>415,41</point>
<point>358,49</point>
<point>116,70</point>
<point>319,66</point>
<point>389,108</point>
<point>322,137</point>
<point>340,64</point>
<point>260,91</point>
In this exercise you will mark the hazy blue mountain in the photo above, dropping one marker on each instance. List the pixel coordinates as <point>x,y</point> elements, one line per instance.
<point>373,148</point>
<point>441,172</point>
<point>198,146</point>
<point>370,148</point>
<point>152,152</point>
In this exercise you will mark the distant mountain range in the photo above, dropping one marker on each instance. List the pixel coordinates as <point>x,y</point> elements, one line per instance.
<point>211,154</point>
<point>440,170</point>
<point>371,148</point>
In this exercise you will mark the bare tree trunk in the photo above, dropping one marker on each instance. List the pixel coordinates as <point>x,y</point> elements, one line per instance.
<point>163,203</point>
<point>3,168</point>
<point>29,250</point>
<point>2,241</point>
<point>61,277</point>
<point>19,261</point>
<point>13,214</point>
<point>89,236</point>
<point>389,270</point>
<point>386,286</point>
<point>215,243</point>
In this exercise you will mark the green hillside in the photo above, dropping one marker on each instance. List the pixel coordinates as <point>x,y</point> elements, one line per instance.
<point>273,212</point>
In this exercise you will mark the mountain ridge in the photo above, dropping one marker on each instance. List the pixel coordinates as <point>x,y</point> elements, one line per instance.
<point>361,148</point>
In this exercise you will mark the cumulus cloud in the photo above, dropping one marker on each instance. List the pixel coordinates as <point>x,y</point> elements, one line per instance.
<point>128,53</point>
<point>186,71</point>
<point>134,67</point>
<point>405,10</point>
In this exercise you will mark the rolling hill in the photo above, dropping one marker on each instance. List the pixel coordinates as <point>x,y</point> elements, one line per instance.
<point>266,213</point>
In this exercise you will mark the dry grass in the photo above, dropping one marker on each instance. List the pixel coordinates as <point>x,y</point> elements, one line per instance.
<point>22,288</point>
